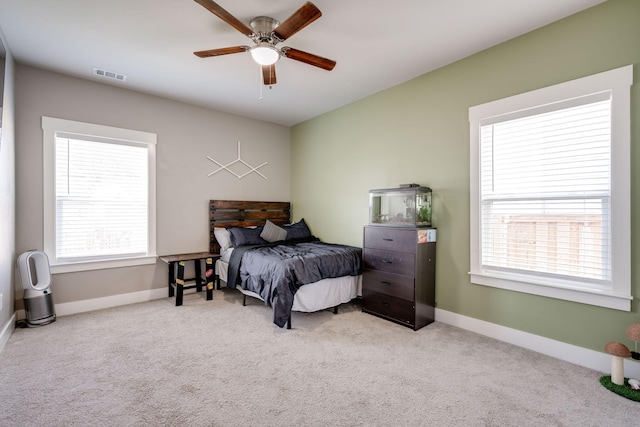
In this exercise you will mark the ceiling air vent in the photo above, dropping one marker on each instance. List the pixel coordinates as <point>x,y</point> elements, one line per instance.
<point>109,74</point>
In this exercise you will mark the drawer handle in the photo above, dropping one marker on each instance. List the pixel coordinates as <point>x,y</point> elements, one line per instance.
<point>386,304</point>
<point>386,283</point>
<point>387,240</point>
<point>386,261</point>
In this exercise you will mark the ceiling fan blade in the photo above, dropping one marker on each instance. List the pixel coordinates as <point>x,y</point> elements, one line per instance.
<point>309,58</point>
<point>221,51</point>
<point>300,19</point>
<point>269,74</point>
<point>217,10</point>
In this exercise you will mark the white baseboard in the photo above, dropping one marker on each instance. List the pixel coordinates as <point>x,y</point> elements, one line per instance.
<point>598,361</point>
<point>83,306</point>
<point>7,330</point>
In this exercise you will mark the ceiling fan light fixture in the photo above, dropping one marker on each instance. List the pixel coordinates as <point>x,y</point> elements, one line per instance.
<point>265,54</point>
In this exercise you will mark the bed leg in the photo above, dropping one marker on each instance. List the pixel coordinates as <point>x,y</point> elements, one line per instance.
<point>244,300</point>
<point>335,310</point>
<point>289,322</point>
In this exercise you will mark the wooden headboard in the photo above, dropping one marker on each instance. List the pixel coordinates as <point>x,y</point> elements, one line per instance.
<point>237,213</point>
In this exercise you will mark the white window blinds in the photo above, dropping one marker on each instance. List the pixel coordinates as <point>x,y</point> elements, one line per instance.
<point>101,199</point>
<point>545,191</point>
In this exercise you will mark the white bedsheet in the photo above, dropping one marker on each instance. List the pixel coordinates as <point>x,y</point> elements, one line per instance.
<point>316,296</point>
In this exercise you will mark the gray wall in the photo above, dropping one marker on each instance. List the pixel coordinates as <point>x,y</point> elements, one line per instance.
<point>186,136</point>
<point>419,132</point>
<point>7,198</point>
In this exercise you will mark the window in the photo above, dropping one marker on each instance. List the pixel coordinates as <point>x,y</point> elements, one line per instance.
<point>550,191</point>
<point>99,196</point>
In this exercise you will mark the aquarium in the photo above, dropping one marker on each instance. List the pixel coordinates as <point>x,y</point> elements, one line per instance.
<point>400,207</point>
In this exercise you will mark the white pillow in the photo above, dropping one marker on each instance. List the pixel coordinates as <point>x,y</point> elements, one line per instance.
<point>223,237</point>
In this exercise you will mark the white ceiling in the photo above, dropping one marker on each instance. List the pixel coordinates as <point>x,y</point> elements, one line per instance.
<point>377,44</point>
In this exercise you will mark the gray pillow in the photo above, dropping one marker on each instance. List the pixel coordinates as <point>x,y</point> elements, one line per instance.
<point>298,230</point>
<point>241,236</point>
<point>273,233</point>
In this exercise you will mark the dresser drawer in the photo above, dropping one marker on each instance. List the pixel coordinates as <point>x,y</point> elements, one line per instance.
<point>390,239</point>
<point>392,307</point>
<point>392,262</point>
<point>395,285</point>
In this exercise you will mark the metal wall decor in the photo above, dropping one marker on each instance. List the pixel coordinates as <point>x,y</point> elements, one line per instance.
<point>238,160</point>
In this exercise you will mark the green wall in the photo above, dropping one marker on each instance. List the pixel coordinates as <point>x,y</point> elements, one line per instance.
<point>418,132</point>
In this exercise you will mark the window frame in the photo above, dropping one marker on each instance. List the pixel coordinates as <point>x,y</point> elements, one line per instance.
<point>52,126</point>
<point>618,82</point>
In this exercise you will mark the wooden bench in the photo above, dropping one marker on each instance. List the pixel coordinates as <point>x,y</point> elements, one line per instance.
<point>177,282</point>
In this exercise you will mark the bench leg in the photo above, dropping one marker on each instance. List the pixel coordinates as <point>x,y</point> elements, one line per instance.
<point>180,283</point>
<point>171,279</point>
<point>198,271</point>
<point>210,278</point>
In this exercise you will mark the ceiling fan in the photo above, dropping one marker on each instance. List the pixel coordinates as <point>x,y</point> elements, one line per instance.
<point>266,33</point>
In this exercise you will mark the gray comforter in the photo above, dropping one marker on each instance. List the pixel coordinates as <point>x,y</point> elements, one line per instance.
<point>276,271</point>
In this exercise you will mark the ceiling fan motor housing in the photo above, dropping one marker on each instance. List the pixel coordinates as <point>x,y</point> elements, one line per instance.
<point>263,27</point>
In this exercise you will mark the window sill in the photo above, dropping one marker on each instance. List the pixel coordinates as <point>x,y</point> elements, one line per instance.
<point>584,296</point>
<point>99,265</point>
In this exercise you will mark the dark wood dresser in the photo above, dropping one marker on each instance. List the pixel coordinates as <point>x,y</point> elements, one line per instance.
<point>399,274</point>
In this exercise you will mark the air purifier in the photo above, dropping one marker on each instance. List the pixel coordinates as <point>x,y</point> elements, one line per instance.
<point>35,275</point>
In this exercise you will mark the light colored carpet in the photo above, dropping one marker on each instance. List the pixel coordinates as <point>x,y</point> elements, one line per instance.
<point>217,363</point>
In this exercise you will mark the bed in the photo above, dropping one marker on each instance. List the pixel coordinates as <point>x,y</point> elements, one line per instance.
<point>265,256</point>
